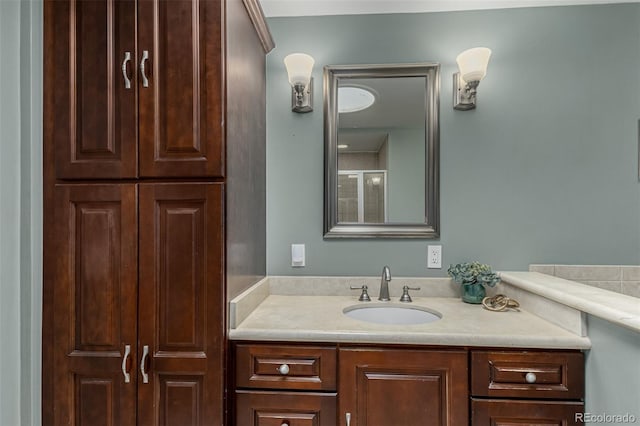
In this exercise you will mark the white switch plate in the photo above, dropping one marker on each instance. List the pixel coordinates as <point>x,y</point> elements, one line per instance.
<point>297,255</point>
<point>434,257</point>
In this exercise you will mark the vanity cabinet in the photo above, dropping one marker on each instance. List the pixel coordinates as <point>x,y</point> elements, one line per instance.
<point>526,387</point>
<point>139,88</point>
<point>402,387</point>
<point>295,385</point>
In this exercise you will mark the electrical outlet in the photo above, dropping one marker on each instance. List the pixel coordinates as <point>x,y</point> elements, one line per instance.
<point>434,257</point>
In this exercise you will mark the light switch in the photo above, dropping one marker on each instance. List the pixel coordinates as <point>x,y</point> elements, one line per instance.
<point>297,255</point>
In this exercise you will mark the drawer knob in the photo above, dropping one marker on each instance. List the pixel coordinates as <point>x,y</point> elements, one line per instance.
<point>530,377</point>
<point>285,423</point>
<point>283,369</point>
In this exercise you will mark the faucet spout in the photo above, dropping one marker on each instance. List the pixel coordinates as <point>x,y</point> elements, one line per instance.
<point>384,285</point>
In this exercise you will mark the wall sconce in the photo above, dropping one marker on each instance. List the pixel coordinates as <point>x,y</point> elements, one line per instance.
<point>299,67</point>
<point>472,64</point>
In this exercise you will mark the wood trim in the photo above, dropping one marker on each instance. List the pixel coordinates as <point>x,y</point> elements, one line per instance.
<point>256,14</point>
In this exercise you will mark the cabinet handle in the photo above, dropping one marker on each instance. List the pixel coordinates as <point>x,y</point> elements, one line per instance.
<point>145,80</point>
<point>348,418</point>
<point>145,353</point>
<point>125,74</point>
<point>530,377</point>
<point>125,367</point>
<point>283,369</point>
<point>285,423</point>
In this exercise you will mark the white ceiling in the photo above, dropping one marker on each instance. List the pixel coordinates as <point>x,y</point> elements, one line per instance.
<point>352,7</point>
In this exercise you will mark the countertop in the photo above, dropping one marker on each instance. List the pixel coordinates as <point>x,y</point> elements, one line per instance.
<point>320,318</point>
<point>617,308</point>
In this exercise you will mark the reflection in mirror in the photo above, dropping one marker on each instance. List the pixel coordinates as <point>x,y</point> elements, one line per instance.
<point>381,135</point>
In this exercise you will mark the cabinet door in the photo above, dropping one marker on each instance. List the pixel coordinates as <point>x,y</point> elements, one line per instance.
<point>263,408</point>
<point>495,412</point>
<point>181,88</point>
<point>403,387</point>
<point>94,119</point>
<point>94,300</point>
<point>181,304</point>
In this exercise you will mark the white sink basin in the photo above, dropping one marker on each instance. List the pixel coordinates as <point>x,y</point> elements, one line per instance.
<point>391,314</point>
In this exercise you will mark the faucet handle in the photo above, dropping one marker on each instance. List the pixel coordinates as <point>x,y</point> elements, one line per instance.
<point>405,293</point>
<point>364,296</point>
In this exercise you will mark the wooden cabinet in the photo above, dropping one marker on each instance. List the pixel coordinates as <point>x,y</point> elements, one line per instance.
<point>134,300</point>
<point>138,82</point>
<point>403,387</point>
<point>549,386</point>
<point>109,323</point>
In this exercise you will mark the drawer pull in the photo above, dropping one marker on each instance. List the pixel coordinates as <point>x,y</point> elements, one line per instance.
<point>285,423</point>
<point>283,369</point>
<point>530,377</point>
<point>348,418</point>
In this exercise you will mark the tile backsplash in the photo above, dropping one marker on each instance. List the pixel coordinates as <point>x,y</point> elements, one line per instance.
<point>623,279</point>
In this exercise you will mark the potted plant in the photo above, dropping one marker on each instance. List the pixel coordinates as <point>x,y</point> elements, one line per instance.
<point>473,277</point>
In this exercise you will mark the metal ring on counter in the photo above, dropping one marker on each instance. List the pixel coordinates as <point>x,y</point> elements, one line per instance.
<point>499,303</point>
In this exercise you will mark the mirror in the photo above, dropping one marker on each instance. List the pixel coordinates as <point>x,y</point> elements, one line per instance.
<point>381,151</point>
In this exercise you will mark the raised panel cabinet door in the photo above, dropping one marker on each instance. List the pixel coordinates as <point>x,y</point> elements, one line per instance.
<point>180,86</point>
<point>94,119</point>
<point>94,299</point>
<point>382,387</point>
<point>181,305</point>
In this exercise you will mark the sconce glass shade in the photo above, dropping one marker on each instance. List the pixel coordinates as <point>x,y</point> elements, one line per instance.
<point>299,67</point>
<point>473,63</point>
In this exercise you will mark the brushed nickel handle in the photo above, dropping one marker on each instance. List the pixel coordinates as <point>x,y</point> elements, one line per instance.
<point>348,418</point>
<point>145,80</point>
<point>530,377</point>
<point>125,358</point>
<point>143,370</point>
<point>283,369</point>
<point>125,74</point>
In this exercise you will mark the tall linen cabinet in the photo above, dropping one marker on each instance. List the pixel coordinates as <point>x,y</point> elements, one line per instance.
<point>154,203</point>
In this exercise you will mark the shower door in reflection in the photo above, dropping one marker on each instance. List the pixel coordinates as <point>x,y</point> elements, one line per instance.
<point>362,196</point>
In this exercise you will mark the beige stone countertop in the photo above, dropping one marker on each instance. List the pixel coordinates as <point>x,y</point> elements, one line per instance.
<point>617,308</point>
<point>317,318</point>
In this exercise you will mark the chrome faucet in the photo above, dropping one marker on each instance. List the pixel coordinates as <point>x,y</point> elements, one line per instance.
<point>384,285</point>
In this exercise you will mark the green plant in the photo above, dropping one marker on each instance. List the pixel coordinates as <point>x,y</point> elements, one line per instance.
<point>473,273</point>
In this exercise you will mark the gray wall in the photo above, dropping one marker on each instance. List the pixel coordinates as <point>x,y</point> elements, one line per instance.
<point>612,373</point>
<point>406,184</point>
<point>20,211</point>
<point>544,171</point>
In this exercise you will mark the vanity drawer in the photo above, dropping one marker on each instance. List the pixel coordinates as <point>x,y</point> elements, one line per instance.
<point>525,374</point>
<point>264,408</point>
<point>495,412</point>
<point>286,367</point>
